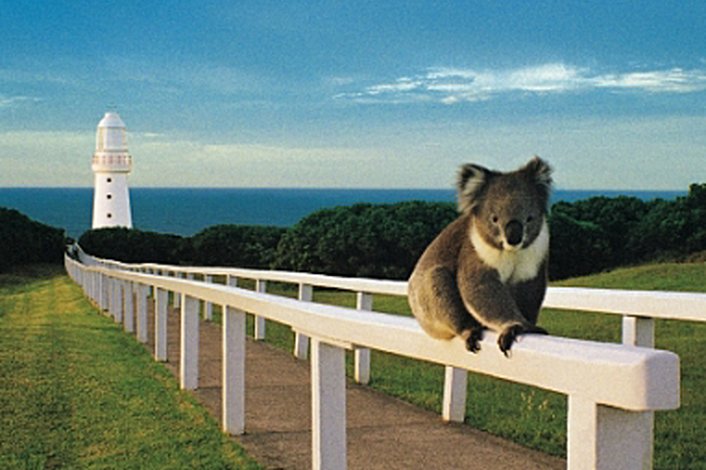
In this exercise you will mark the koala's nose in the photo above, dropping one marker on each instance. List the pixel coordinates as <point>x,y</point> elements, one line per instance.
<point>514,232</point>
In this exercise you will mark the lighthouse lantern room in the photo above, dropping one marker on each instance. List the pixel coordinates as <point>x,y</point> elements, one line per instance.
<point>111,165</point>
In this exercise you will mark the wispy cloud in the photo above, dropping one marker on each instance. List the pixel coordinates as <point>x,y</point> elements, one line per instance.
<point>453,85</point>
<point>15,101</point>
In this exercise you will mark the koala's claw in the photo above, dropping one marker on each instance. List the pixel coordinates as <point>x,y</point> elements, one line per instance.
<point>510,334</point>
<point>472,341</point>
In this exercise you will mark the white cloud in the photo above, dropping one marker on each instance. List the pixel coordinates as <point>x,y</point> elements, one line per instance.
<point>674,80</point>
<point>453,85</point>
<point>14,101</point>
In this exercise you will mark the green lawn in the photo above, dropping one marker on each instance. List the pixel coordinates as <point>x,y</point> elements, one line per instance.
<point>537,418</point>
<point>76,392</point>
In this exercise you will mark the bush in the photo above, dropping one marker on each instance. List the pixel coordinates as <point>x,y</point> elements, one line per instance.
<point>382,241</point>
<point>134,246</point>
<point>24,241</point>
<point>386,240</point>
<point>236,245</point>
<point>577,247</point>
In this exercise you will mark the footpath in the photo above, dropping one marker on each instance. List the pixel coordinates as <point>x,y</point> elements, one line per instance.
<point>383,432</point>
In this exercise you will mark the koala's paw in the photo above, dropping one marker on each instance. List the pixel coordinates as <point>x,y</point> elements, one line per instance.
<point>510,334</point>
<point>473,337</point>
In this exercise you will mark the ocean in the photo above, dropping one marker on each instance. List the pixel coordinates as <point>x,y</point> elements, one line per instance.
<point>186,211</point>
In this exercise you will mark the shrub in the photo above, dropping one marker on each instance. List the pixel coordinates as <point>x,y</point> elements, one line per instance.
<point>134,246</point>
<point>236,245</point>
<point>368,240</point>
<point>23,240</point>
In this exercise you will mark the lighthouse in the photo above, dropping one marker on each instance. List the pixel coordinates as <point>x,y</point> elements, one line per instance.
<point>111,165</point>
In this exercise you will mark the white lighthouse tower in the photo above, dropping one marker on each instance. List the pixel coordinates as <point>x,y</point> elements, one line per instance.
<point>111,165</point>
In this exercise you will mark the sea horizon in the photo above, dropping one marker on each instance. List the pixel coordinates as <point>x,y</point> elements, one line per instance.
<point>188,210</point>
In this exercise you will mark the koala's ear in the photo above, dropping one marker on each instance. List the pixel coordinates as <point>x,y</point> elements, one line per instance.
<point>540,172</point>
<point>471,179</point>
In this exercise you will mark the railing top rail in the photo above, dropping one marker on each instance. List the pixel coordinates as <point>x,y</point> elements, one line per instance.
<point>689,306</point>
<point>622,376</point>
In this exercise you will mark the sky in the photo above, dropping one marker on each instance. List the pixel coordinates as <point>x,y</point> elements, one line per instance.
<point>355,94</point>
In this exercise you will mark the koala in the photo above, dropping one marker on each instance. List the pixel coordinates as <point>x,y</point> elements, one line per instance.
<point>488,268</point>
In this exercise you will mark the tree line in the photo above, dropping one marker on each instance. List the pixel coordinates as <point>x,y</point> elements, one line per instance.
<point>24,241</point>
<point>385,240</point>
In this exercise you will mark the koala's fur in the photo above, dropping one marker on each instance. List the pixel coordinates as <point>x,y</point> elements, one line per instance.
<point>488,268</point>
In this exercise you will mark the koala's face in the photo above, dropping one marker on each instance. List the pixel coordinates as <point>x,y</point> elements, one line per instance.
<point>508,209</point>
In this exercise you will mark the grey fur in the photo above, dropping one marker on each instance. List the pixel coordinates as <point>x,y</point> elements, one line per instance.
<point>488,268</point>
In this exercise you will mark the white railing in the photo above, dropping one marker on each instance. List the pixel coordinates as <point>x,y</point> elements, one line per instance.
<point>612,389</point>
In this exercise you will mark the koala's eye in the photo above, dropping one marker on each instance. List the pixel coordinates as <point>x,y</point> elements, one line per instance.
<point>495,219</point>
<point>530,218</point>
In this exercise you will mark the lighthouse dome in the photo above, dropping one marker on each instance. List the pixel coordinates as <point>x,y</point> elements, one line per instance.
<point>111,135</point>
<point>111,120</point>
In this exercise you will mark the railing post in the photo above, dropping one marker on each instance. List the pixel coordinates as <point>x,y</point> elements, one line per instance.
<point>99,291</point>
<point>259,335</point>
<point>602,438</point>
<point>361,373</point>
<point>453,406</point>
<point>328,397</point>
<point>176,296</point>
<point>208,306</point>
<point>109,295</point>
<point>639,331</point>
<point>161,298</point>
<point>141,291</point>
<point>93,285</point>
<point>301,341</point>
<point>233,379</point>
<point>117,300</point>
<point>189,351</point>
<point>103,292</point>
<point>129,311</point>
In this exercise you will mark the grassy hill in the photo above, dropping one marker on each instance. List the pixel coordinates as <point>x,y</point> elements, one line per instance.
<point>76,392</point>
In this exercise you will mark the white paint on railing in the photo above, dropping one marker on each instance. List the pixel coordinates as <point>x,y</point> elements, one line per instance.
<point>453,404</point>
<point>141,292</point>
<point>638,331</point>
<point>361,356</point>
<point>328,405</point>
<point>301,341</point>
<point>161,299</point>
<point>259,334</point>
<point>647,304</point>
<point>189,346</point>
<point>233,378</point>
<point>613,389</point>
<point>602,437</point>
<point>128,313</point>
<point>650,304</point>
<point>208,306</point>
<point>176,299</point>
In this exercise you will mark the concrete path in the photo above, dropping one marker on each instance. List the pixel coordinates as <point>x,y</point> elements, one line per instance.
<point>383,432</point>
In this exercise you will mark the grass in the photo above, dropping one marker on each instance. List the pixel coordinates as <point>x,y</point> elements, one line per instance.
<point>537,418</point>
<point>76,392</point>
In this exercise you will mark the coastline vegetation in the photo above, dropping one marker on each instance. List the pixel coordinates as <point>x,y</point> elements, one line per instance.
<point>385,240</point>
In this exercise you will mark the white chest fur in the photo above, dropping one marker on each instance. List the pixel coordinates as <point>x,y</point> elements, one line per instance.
<point>513,266</point>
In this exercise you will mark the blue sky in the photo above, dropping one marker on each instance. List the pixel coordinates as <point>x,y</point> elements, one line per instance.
<point>355,93</point>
